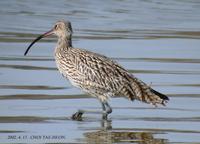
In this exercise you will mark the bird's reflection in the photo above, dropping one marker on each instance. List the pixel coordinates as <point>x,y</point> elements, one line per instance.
<point>106,124</point>
<point>109,135</point>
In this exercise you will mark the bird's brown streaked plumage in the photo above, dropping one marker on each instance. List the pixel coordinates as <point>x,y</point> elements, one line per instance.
<point>97,74</point>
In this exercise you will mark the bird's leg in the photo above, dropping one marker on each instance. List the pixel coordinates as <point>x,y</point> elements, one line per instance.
<point>106,110</point>
<point>103,106</point>
<point>105,115</point>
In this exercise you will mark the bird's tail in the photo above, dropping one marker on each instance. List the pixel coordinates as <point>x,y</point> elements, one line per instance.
<point>159,98</point>
<point>146,94</point>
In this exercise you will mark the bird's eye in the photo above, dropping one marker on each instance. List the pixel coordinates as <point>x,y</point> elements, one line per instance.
<point>56,26</point>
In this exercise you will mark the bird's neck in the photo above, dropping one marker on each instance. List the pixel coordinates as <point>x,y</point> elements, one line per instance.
<point>64,43</point>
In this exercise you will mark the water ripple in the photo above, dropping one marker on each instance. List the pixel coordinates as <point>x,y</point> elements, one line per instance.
<point>105,34</point>
<point>37,87</point>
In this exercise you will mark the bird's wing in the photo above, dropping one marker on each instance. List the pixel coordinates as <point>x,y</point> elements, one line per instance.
<point>104,74</point>
<point>99,73</point>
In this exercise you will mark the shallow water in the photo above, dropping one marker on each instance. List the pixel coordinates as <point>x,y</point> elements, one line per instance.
<point>158,41</point>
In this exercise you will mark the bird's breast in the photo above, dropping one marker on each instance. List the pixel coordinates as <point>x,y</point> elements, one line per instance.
<point>62,63</point>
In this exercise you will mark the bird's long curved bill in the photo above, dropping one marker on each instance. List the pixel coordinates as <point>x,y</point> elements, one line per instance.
<point>37,39</point>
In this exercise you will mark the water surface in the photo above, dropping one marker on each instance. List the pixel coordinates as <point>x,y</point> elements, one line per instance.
<point>157,41</point>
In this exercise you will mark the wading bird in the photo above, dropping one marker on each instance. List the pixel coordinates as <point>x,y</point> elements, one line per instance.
<point>96,74</point>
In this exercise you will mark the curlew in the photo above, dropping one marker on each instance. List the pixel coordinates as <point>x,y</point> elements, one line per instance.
<point>95,74</point>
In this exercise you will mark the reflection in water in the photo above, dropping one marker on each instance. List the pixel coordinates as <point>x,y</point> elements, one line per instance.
<point>106,124</point>
<point>105,136</point>
<point>109,135</point>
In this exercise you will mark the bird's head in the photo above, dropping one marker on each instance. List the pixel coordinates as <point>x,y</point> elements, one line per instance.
<point>62,29</point>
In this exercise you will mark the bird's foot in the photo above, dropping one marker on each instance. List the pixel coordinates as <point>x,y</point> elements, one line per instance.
<point>77,116</point>
<point>105,116</point>
<point>106,124</point>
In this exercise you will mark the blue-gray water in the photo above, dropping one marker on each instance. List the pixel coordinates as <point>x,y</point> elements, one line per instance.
<point>156,40</point>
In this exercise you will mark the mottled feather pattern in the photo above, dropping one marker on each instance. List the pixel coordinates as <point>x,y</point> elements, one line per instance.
<point>102,77</point>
